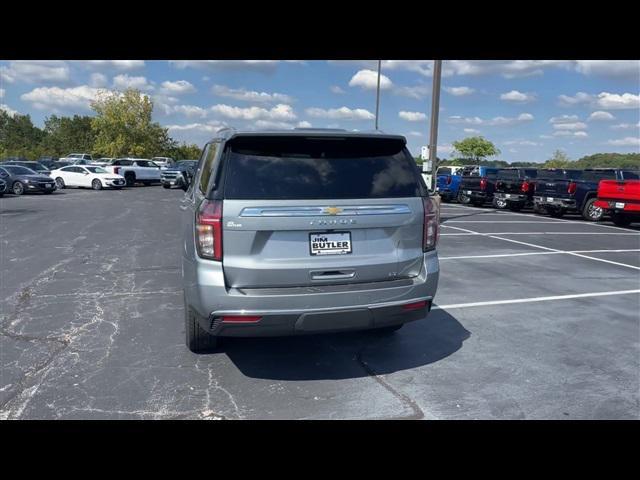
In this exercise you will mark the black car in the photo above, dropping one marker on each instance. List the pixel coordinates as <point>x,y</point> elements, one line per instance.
<point>35,166</point>
<point>514,188</point>
<point>3,187</point>
<point>21,180</point>
<point>174,176</point>
<point>48,162</point>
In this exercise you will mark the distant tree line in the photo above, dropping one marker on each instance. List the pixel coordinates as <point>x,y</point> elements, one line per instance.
<point>122,126</point>
<point>475,150</point>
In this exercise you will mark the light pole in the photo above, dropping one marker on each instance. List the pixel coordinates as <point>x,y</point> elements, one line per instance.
<point>378,93</point>
<point>435,110</point>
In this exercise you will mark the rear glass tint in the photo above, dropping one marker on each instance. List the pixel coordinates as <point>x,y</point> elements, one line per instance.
<point>319,168</point>
<point>597,175</point>
<point>631,175</point>
<point>444,171</point>
<point>508,174</point>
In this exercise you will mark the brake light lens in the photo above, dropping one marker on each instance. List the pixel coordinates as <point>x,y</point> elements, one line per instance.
<point>241,319</point>
<point>431,229</point>
<point>572,187</point>
<point>525,187</point>
<point>483,184</point>
<point>415,305</point>
<point>209,230</point>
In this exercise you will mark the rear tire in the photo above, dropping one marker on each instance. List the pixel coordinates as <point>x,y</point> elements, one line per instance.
<point>539,210</point>
<point>499,203</point>
<point>130,179</point>
<point>556,212</point>
<point>197,340</point>
<point>60,183</point>
<point>96,184</point>
<point>590,212</point>
<point>463,199</point>
<point>620,219</point>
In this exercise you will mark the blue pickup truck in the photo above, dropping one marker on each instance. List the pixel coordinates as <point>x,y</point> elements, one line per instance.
<point>576,191</point>
<point>448,182</point>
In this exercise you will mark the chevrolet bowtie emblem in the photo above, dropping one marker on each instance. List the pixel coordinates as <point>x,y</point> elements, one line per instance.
<point>332,210</point>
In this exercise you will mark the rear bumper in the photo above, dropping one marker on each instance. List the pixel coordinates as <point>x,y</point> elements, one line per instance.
<point>302,310</point>
<point>618,206</point>
<point>510,197</point>
<point>476,195</point>
<point>554,202</point>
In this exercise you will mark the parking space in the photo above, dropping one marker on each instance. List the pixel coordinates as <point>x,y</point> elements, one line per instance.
<point>535,318</point>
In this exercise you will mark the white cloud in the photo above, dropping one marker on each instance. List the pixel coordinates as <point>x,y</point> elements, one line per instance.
<point>342,113</point>
<point>337,90</point>
<point>124,81</point>
<point>10,111</point>
<point>625,126</point>
<point>569,133</point>
<point>570,126</point>
<point>413,133</point>
<point>578,99</point>
<point>250,96</point>
<point>123,65</point>
<point>615,101</point>
<point>417,91</point>
<point>516,96</point>
<point>495,121</point>
<point>368,80</point>
<point>263,66</point>
<point>210,127</point>
<point>304,124</point>
<point>279,112</point>
<point>35,71</point>
<point>625,142</point>
<point>524,143</point>
<point>56,98</point>
<point>609,68</point>
<point>459,91</point>
<point>564,119</point>
<point>471,130</point>
<point>601,116</point>
<point>98,80</point>
<point>412,116</point>
<point>191,111</point>
<point>178,87</point>
<point>444,149</point>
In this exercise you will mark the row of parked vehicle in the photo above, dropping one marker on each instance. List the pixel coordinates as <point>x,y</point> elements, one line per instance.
<point>19,176</point>
<point>592,192</point>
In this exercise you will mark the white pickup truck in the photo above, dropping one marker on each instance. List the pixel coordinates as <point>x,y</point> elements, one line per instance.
<point>135,170</point>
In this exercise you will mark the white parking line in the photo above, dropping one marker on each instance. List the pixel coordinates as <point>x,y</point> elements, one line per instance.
<point>498,221</point>
<point>464,257</point>
<point>549,249</point>
<point>533,299</point>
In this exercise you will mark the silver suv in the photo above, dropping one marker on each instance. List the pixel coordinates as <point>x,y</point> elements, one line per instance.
<point>304,231</point>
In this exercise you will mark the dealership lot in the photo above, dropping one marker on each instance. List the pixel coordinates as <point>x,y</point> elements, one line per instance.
<point>536,318</point>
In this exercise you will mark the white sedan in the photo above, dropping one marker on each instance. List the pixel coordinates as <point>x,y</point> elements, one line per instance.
<point>90,176</point>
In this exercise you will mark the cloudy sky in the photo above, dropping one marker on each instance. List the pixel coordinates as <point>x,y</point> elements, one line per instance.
<point>528,108</point>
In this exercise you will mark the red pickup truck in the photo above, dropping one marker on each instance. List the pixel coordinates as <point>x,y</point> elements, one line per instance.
<point>621,200</point>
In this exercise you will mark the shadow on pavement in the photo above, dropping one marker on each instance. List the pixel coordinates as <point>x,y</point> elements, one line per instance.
<point>341,356</point>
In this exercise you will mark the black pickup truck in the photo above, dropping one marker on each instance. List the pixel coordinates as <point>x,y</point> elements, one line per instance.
<point>514,188</point>
<point>575,191</point>
<point>477,185</point>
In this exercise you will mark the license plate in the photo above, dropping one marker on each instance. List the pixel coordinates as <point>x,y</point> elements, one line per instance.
<point>619,205</point>
<point>549,199</point>
<point>468,192</point>
<point>508,195</point>
<point>334,243</point>
<point>49,185</point>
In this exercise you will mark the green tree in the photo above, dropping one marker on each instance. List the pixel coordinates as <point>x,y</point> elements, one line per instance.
<point>64,135</point>
<point>19,137</point>
<point>185,152</point>
<point>558,160</point>
<point>475,148</point>
<point>123,126</point>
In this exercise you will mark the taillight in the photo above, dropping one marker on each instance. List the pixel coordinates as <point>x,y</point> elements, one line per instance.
<point>449,180</point>
<point>572,187</point>
<point>209,230</point>
<point>241,318</point>
<point>431,228</point>
<point>483,184</point>
<point>525,187</point>
<point>415,305</point>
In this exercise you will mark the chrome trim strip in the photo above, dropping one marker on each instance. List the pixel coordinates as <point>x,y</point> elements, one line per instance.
<point>347,210</point>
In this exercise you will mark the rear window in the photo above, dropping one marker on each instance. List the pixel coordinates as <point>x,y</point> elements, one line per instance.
<point>444,171</point>
<point>597,175</point>
<point>319,168</point>
<point>508,174</point>
<point>631,175</point>
<point>559,174</point>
